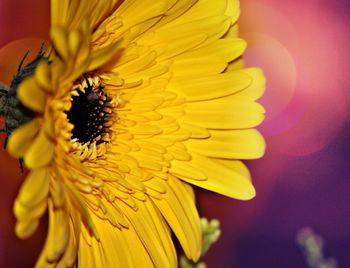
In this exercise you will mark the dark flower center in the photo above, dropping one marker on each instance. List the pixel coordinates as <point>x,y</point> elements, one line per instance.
<point>90,114</point>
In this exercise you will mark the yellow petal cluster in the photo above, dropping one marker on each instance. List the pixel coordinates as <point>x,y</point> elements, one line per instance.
<point>183,114</point>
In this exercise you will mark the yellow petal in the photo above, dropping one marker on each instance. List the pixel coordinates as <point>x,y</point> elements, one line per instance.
<point>163,232</point>
<point>58,235</point>
<point>176,47</point>
<point>202,9</point>
<point>134,12</point>
<point>43,76</point>
<point>60,41</point>
<point>186,169</point>
<point>57,193</point>
<point>102,56</point>
<point>197,132</point>
<point>58,11</point>
<point>257,87</point>
<point>40,153</point>
<point>24,229</point>
<point>226,177</point>
<point>86,256</point>
<point>35,188</point>
<point>199,67</point>
<point>211,87</point>
<point>179,152</point>
<point>232,10</point>
<point>22,138</point>
<point>179,211</point>
<point>69,256</point>
<point>224,50</point>
<point>118,248</point>
<point>145,229</point>
<point>74,42</point>
<point>145,129</point>
<point>32,95</point>
<point>234,144</point>
<point>186,36</point>
<point>224,113</point>
<point>22,212</point>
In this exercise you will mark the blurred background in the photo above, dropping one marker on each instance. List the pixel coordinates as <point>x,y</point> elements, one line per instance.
<point>302,181</point>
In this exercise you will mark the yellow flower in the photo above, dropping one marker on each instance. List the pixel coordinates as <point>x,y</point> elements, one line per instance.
<point>135,102</point>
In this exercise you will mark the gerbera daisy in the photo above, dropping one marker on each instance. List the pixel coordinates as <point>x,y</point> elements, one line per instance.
<point>134,102</point>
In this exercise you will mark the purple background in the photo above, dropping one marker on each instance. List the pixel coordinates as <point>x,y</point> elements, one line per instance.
<point>304,179</point>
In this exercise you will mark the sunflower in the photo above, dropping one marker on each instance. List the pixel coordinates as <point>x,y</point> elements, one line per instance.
<point>134,102</point>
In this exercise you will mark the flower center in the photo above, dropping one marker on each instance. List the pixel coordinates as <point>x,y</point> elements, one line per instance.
<point>90,112</point>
